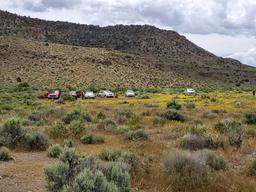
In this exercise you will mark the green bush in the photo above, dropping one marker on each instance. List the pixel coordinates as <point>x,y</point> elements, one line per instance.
<point>122,156</point>
<point>190,105</point>
<point>68,143</point>
<point>111,155</point>
<point>120,177</point>
<point>185,170</point>
<point>77,115</point>
<point>92,139</point>
<point>107,125</point>
<point>196,142</point>
<point>12,134</point>
<point>93,181</point>
<point>36,141</point>
<point>250,118</point>
<point>139,134</point>
<point>197,130</point>
<point>252,169</point>
<point>57,177</point>
<point>54,151</point>
<point>76,128</point>
<point>58,129</point>
<point>4,154</point>
<point>227,125</point>
<point>173,115</point>
<point>173,105</point>
<point>212,160</point>
<point>80,174</point>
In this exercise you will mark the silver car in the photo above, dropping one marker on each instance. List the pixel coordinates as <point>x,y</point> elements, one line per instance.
<point>190,92</point>
<point>107,94</point>
<point>89,95</point>
<point>130,93</point>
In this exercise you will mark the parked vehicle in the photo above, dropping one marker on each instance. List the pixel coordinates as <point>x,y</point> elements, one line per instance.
<point>54,94</point>
<point>190,92</point>
<point>107,94</point>
<point>130,93</point>
<point>76,94</point>
<point>88,95</point>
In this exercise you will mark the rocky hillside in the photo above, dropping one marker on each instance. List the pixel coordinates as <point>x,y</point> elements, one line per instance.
<point>58,65</point>
<point>167,50</point>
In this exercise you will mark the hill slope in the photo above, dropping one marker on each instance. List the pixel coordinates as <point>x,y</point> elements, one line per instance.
<point>166,49</point>
<point>54,65</point>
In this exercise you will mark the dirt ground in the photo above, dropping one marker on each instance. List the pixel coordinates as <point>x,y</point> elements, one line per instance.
<point>24,173</point>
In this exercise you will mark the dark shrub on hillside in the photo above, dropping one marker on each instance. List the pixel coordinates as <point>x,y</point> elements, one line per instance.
<point>185,170</point>
<point>4,154</point>
<point>77,115</point>
<point>250,118</point>
<point>12,134</point>
<point>36,141</point>
<point>174,105</point>
<point>92,139</point>
<point>196,142</point>
<point>173,115</point>
<point>139,134</point>
<point>252,169</point>
<point>54,151</point>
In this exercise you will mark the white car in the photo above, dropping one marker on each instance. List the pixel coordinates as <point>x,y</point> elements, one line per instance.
<point>107,94</point>
<point>54,94</point>
<point>190,92</point>
<point>130,93</point>
<point>89,95</point>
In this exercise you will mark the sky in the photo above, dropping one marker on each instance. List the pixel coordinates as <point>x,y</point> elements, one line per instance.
<point>226,28</point>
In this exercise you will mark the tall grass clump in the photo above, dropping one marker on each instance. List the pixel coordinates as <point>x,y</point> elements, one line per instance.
<point>135,135</point>
<point>185,171</point>
<point>77,115</point>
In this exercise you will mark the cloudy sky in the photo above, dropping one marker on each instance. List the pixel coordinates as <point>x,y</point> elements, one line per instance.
<point>224,27</point>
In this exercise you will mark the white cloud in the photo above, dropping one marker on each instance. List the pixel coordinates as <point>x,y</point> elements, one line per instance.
<point>248,57</point>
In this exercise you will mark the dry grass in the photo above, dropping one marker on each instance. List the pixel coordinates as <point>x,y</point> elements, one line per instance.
<point>161,139</point>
